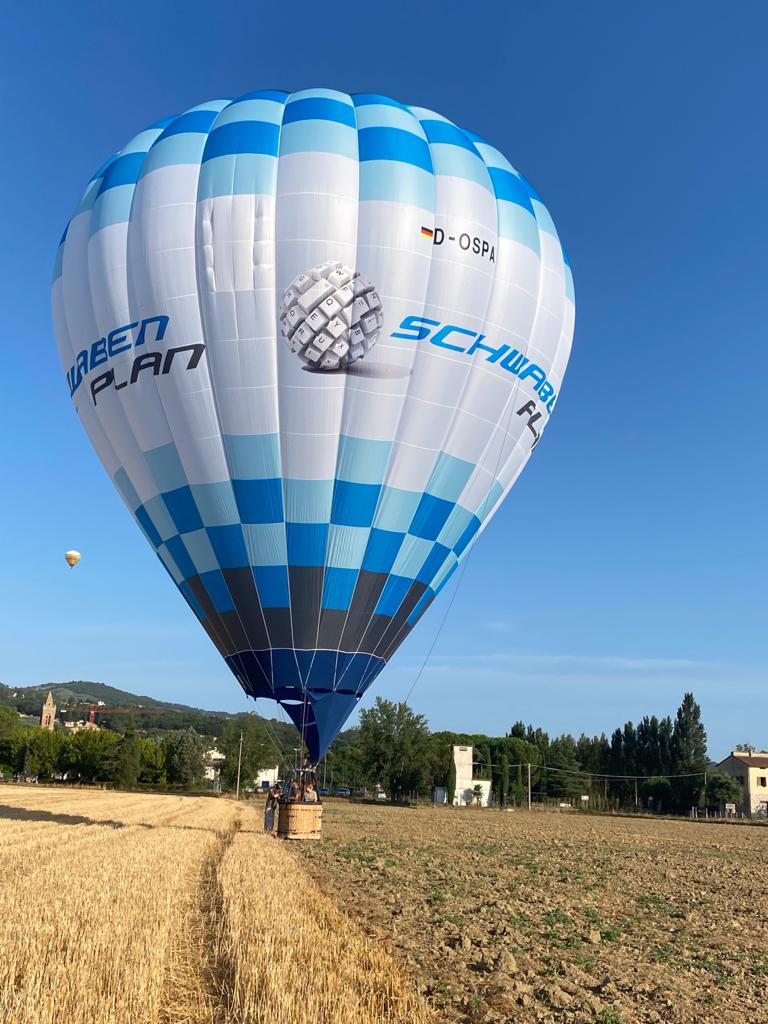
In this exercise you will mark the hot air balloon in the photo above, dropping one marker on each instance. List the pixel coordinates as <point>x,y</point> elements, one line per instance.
<point>72,558</point>
<point>314,339</point>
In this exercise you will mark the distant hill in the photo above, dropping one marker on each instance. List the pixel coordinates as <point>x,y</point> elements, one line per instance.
<point>83,692</point>
<point>151,715</point>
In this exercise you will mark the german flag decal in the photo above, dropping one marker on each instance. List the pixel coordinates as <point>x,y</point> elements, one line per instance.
<point>427,232</point>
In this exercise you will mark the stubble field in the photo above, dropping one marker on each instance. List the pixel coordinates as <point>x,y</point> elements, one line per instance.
<point>132,909</point>
<point>546,917</point>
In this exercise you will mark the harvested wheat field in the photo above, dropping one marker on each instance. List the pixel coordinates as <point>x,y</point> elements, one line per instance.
<point>122,908</point>
<point>546,917</point>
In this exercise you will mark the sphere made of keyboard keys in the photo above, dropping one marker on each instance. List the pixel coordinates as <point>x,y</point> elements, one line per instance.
<point>330,316</point>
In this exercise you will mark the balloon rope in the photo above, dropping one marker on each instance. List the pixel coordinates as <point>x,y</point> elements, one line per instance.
<point>440,630</point>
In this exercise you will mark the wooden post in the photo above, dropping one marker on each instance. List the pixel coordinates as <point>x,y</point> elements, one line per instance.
<point>529,785</point>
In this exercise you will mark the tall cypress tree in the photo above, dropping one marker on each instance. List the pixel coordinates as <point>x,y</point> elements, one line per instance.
<point>127,757</point>
<point>504,780</point>
<point>483,759</point>
<point>689,754</point>
<point>451,779</point>
<point>666,730</point>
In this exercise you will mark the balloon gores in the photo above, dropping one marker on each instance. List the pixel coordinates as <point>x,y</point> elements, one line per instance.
<point>310,476</point>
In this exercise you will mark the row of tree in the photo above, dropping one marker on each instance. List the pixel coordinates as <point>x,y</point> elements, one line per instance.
<point>133,757</point>
<point>661,763</point>
<point>175,759</point>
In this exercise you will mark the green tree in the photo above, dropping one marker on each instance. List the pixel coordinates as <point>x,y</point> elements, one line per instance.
<point>657,794</point>
<point>9,722</point>
<point>520,754</point>
<point>666,730</point>
<point>90,754</point>
<point>257,750</point>
<point>689,754</point>
<point>722,789</point>
<point>184,757</point>
<point>621,760</point>
<point>451,788</point>
<point>344,762</point>
<point>126,764</point>
<point>395,747</point>
<point>504,780</point>
<point>593,753</point>
<point>648,747</point>
<point>12,735</point>
<point>45,748</point>
<point>152,761</point>
<point>482,761</point>
<point>562,780</point>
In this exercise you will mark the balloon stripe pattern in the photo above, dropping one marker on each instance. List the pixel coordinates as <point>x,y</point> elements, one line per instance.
<point>314,339</point>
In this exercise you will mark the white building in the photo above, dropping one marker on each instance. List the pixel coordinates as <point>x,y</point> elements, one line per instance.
<point>465,783</point>
<point>266,778</point>
<point>751,771</point>
<point>214,759</point>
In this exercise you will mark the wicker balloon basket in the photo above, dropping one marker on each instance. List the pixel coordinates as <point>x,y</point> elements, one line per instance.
<point>299,821</point>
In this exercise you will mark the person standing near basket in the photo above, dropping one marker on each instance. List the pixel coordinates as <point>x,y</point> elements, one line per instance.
<point>273,801</point>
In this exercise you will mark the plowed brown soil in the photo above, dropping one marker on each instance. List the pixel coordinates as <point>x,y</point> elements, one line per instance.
<point>550,917</point>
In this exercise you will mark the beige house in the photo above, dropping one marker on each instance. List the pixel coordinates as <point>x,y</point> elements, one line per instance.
<point>751,771</point>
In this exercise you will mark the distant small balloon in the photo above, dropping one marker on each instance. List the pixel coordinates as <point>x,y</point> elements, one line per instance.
<point>72,558</point>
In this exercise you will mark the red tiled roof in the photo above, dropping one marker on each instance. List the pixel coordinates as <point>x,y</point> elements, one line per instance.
<point>750,760</point>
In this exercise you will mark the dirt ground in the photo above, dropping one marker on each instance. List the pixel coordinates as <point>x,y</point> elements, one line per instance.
<point>550,917</point>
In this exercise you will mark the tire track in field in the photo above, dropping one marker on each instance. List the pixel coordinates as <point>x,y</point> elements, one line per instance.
<point>216,971</point>
<point>198,985</point>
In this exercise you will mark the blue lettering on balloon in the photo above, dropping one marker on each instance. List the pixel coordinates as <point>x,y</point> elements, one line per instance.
<point>442,334</point>
<point>98,352</point>
<point>118,339</point>
<point>514,362</point>
<point>151,331</point>
<point>419,325</point>
<point>494,353</point>
<point>419,328</point>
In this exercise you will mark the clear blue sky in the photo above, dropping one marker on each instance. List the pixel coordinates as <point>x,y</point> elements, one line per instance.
<point>629,563</point>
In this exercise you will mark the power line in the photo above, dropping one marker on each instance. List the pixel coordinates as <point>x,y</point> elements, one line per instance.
<point>589,774</point>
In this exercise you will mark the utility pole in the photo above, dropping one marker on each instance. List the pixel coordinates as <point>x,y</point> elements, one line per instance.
<point>239,762</point>
<point>529,785</point>
<point>325,765</point>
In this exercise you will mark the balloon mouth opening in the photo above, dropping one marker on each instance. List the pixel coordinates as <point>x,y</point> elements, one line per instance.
<point>317,690</point>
